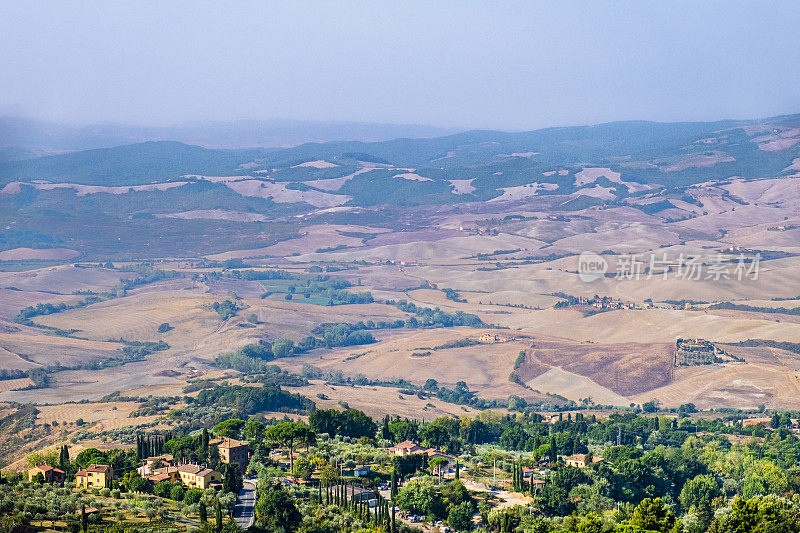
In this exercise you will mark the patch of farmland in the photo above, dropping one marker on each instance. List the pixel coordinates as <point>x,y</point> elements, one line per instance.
<point>313,238</point>
<point>12,301</point>
<point>134,317</point>
<point>112,415</point>
<point>47,349</point>
<point>64,279</point>
<point>378,402</point>
<point>18,254</point>
<point>14,384</point>
<point>574,387</point>
<point>626,369</point>
<point>730,385</point>
<point>484,367</point>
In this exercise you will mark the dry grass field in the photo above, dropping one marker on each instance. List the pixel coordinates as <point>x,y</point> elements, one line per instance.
<point>64,279</point>
<point>381,401</point>
<point>529,262</point>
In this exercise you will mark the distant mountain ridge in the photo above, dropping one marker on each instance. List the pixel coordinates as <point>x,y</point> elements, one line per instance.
<point>38,136</point>
<point>168,198</point>
<point>665,153</point>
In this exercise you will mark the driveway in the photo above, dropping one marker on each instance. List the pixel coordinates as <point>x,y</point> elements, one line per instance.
<point>244,512</point>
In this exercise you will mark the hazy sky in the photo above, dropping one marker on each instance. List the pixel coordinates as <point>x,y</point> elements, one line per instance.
<point>514,65</point>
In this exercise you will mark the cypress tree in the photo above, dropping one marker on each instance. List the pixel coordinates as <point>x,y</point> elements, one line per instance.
<point>84,520</point>
<point>203,513</point>
<point>458,468</point>
<point>63,458</point>
<point>394,482</point>
<point>394,523</point>
<point>218,517</point>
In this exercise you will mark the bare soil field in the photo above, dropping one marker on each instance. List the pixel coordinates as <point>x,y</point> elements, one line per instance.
<point>627,369</point>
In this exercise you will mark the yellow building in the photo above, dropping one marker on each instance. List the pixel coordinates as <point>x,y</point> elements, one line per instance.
<point>194,475</point>
<point>95,476</point>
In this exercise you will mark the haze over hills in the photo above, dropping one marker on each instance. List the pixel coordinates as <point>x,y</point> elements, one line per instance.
<point>33,137</point>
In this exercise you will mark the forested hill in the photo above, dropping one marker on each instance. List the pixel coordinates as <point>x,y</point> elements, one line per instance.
<point>666,153</point>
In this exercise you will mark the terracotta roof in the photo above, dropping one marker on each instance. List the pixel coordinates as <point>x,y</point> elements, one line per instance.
<point>94,468</point>
<point>406,445</point>
<point>228,443</point>
<point>48,468</point>
<point>197,470</point>
<point>582,457</point>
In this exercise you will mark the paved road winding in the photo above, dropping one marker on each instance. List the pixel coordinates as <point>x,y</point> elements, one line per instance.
<point>244,513</point>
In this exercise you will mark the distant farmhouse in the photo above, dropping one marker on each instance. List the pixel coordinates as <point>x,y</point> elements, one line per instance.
<point>412,448</point>
<point>49,473</point>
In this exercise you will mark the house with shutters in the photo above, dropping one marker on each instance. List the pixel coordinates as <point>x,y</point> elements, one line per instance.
<point>94,477</point>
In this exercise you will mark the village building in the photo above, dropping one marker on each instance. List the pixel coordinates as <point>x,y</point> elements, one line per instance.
<point>412,448</point>
<point>362,471</point>
<point>354,493</point>
<point>579,460</point>
<point>50,474</point>
<point>153,463</point>
<point>191,475</point>
<point>199,476</point>
<point>406,447</point>
<point>232,451</point>
<point>94,477</point>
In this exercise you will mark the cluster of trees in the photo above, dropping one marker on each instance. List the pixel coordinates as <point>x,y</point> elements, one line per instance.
<point>150,445</point>
<point>452,294</point>
<point>26,313</point>
<point>451,501</point>
<point>250,275</point>
<point>225,309</point>
<point>425,317</point>
<point>349,423</point>
<point>244,401</point>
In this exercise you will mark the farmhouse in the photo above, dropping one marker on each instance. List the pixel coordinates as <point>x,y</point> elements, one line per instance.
<point>406,448</point>
<point>412,448</point>
<point>95,476</point>
<point>194,475</point>
<point>50,474</point>
<point>232,451</point>
<point>191,475</point>
<point>579,460</point>
<point>154,463</point>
